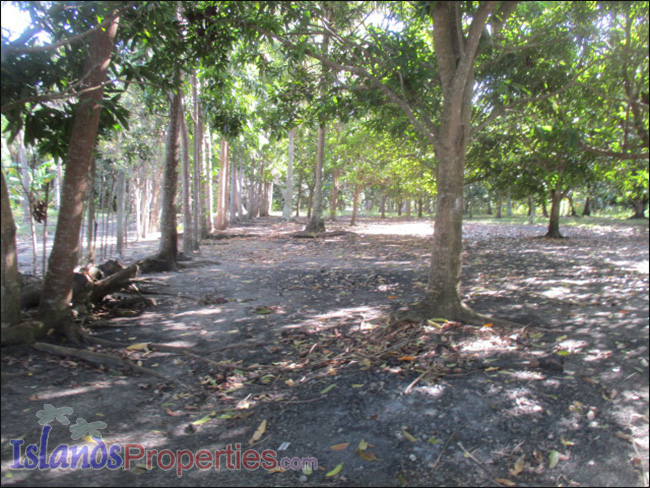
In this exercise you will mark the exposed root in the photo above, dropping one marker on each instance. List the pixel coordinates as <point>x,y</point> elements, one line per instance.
<point>100,358</point>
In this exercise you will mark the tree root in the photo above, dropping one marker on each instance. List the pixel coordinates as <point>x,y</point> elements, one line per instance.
<point>100,358</point>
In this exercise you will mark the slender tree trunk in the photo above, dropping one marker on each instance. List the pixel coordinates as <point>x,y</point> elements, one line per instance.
<point>355,204</point>
<point>222,198</point>
<point>335,194</point>
<point>382,206</point>
<point>233,187</point>
<point>531,210</point>
<point>186,185</point>
<point>299,196</point>
<point>121,203</point>
<point>240,191</point>
<point>509,205</point>
<point>10,284</point>
<point>554,219</point>
<point>489,204</point>
<point>168,250</point>
<point>57,286</point>
<point>197,221</point>
<point>210,182</point>
<point>408,209</point>
<point>288,195</point>
<point>544,209</point>
<point>420,207</point>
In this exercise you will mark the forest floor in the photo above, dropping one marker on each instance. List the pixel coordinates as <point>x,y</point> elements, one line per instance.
<point>295,355</point>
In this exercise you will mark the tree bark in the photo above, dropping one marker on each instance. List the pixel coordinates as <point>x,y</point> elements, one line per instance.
<point>10,284</point>
<point>121,203</point>
<point>316,222</point>
<point>186,185</point>
<point>554,219</point>
<point>355,204</point>
<point>639,205</point>
<point>168,250</point>
<point>197,204</point>
<point>222,199</point>
<point>288,195</point>
<point>57,287</point>
<point>335,194</point>
<point>586,212</point>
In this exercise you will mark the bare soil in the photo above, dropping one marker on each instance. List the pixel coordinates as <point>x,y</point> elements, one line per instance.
<point>298,338</point>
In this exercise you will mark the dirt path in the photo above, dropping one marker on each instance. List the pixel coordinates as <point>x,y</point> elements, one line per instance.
<point>297,335</point>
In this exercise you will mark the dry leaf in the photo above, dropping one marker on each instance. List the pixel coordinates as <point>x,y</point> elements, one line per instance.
<point>258,433</point>
<point>408,436</point>
<point>340,447</point>
<point>518,467</point>
<point>335,471</point>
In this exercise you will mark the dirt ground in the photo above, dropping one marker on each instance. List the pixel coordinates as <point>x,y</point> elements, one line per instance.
<point>293,353</point>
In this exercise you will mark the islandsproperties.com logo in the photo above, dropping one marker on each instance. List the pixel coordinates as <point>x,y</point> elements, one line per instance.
<point>114,456</point>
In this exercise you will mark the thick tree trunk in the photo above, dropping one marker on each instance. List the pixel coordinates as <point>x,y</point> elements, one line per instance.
<point>10,284</point>
<point>168,250</point>
<point>554,219</point>
<point>316,222</point>
<point>288,194</point>
<point>57,287</point>
<point>639,205</point>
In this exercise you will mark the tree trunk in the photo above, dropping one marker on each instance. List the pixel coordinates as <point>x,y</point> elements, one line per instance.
<point>531,211</point>
<point>408,209</point>
<point>299,196</point>
<point>355,204</point>
<point>489,204</point>
<point>509,206</point>
<point>121,203</point>
<point>222,199</point>
<point>168,250</point>
<point>382,206</point>
<point>499,206</point>
<point>639,205</point>
<point>554,219</point>
<point>335,194</point>
<point>186,185</point>
<point>10,284</point>
<point>586,212</point>
<point>288,195</point>
<point>316,222</point>
<point>209,179</point>
<point>233,187</point>
<point>420,205</point>
<point>57,287</point>
<point>198,223</point>
<point>544,209</point>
